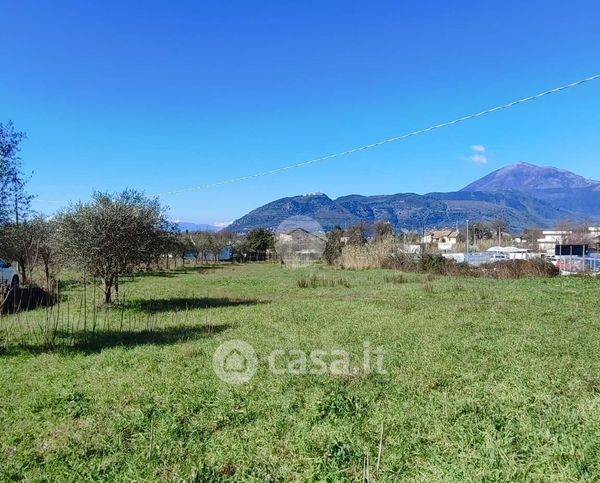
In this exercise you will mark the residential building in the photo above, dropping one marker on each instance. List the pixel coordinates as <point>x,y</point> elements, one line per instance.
<point>551,238</point>
<point>444,239</point>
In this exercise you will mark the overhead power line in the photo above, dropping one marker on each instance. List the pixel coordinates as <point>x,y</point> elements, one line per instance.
<point>384,141</point>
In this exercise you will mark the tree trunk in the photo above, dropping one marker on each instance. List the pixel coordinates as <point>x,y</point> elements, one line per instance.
<point>107,291</point>
<point>47,273</point>
<point>23,270</point>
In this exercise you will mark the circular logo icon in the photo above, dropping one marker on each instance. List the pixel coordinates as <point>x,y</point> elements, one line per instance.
<point>235,362</point>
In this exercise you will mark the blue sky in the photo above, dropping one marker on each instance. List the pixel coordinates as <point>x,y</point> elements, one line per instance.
<point>164,95</point>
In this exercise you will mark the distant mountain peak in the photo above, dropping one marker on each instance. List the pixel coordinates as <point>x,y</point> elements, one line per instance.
<point>530,179</point>
<point>524,194</point>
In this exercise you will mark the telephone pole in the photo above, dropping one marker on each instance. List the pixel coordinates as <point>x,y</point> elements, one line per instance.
<point>467,243</point>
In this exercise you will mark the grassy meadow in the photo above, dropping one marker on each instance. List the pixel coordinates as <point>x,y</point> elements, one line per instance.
<point>487,380</point>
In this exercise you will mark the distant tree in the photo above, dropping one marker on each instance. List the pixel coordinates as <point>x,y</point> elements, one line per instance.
<point>382,229</point>
<point>481,230</point>
<point>20,243</point>
<point>257,243</point>
<point>183,246</point>
<point>218,241</point>
<point>356,234</point>
<point>14,201</point>
<point>499,226</point>
<point>50,255</point>
<point>532,235</point>
<point>203,242</point>
<point>162,246</point>
<point>112,235</point>
<point>32,243</point>
<point>333,247</point>
<point>579,232</point>
<point>260,240</point>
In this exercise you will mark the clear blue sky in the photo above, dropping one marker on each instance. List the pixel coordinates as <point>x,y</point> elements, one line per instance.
<point>164,95</point>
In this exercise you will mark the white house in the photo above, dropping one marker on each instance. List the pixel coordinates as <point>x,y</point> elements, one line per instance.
<point>551,238</point>
<point>445,239</point>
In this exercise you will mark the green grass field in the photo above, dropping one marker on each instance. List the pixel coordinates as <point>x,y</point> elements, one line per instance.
<point>487,380</point>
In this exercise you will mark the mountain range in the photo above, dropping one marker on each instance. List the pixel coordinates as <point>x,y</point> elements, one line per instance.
<point>525,195</point>
<point>184,226</point>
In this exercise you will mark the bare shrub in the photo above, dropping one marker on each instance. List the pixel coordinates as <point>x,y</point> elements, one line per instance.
<point>367,256</point>
<point>314,281</point>
<point>407,262</point>
<point>511,269</point>
<point>385,254</point>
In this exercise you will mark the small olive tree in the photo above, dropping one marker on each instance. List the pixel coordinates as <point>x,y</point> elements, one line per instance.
<point>50,255</point>
<point>112,235</point>
<point>26,243</point>
<point>333,247</point>
<point>202,242</point>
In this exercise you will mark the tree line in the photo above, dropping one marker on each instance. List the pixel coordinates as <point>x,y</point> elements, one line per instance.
<point>106,238</point>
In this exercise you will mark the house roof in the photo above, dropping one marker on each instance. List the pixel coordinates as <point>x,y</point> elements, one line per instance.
<point>444,234</point>
<point>301,232</point>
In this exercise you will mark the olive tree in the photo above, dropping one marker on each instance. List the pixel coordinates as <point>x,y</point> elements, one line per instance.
<point>50,255</point>
<point>112,235</point>
<point>25,243</point>
<point>202,242</point>
<point>183,247</point>
<point>333,247</point>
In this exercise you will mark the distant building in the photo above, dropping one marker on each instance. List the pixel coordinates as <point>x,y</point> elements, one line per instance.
<point>300,246</point>
<point>551,238</point>
<point>445,239</point>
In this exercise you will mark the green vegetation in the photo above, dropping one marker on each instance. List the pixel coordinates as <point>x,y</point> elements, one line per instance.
<point>487,380</point>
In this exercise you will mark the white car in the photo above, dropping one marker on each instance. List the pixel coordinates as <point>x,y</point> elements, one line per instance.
<point>8,275</point>
<point>499,257</point>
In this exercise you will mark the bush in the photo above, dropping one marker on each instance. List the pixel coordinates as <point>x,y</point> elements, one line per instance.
<point>313,282</point>
<point>520,269</point>
<point>359,257</point>
<point>384,254</point>
<point>405,262</point>
<point>435,264</point>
